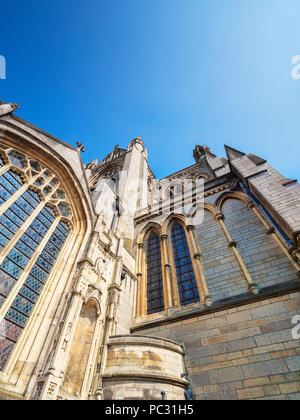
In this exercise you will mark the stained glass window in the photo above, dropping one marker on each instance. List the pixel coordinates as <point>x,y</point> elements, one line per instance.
<point>17,159</point>
<point>155,296</point>
<point>186,281</point>
<point>33,244</point>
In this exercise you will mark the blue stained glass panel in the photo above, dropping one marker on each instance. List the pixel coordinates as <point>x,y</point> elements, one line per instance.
<point>51,249</point>
<point>3,240</point>
<point>34,284</point>
<point>5,231</point>
<point>24,205</point>
<point>18,258</point>
<point>40,274</point>
<point>49,213</point>
<point>17,210</point>
<point>11,268</point>
<point>14,218</point>
<point>8,223</point>
<point>5,194</point>
<point>155,301</point>
<point>54,239</point>
<point>22,304</point>
<point>34,200</point>
<point>28,293</point>
<point>186,281</point>
<point>20,245</point>
<point>42,263</point>
<point>34,235</point>
<point>47,257</point>
<point>44,220</point>
<point>39,227</point>
<point>16,317</point>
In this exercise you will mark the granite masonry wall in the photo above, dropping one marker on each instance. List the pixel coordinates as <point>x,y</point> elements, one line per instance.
<point>218,260</point>
<point>265,260</point>
<point>244,352</point>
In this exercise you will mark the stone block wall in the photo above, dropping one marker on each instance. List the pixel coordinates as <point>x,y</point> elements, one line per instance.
<point>265,260</point>
<point>244,352</point>
<point>139,367</point>
<point>223,275</point>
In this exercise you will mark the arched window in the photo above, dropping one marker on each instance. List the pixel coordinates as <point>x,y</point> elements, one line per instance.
<point>187,286</point>
<point>35,221</point>
<point>155,295</point>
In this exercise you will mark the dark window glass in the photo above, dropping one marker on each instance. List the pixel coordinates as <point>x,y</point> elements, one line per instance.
<point>155,295</point>
<point>23,304</point>
<point>187,285</point>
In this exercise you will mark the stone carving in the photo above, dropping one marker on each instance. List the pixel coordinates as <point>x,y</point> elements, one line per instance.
<point>7,108</point>
<point>52,388</point>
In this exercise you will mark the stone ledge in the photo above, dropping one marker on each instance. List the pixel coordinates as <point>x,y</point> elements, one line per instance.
<point>141,377</point>
<point>136,340</point>
<point>238,301</point>
<point>8,395</point>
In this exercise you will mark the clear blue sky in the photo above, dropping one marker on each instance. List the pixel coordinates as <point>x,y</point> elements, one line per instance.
<point>174,72</point>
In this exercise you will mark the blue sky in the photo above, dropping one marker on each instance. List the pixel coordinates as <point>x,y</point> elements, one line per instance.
<point>174,72</point>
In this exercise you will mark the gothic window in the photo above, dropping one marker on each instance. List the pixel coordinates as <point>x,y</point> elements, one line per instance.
<point>155,296</point>
<point>34,225</point>
<point>187,286</point>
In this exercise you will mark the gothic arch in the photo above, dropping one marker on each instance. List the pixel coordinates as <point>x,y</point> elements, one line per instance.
<point>211,208</point>
<point>233,195</point>
<point>151,226</point>
<point>170,220</point>
<point>48,152</point>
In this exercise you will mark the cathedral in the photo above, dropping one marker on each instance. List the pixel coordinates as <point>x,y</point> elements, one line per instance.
<point>117,285</point>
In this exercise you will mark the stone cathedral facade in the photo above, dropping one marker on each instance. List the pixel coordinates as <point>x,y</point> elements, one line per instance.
<point>108,291</point>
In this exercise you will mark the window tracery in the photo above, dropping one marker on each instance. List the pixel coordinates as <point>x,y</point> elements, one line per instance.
<point>34,225</point>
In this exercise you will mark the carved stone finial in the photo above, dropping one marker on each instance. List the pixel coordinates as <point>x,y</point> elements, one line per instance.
<point>200,151</point>
<point>7,108</point>
<point>135,142</point>
<point>80,146</point>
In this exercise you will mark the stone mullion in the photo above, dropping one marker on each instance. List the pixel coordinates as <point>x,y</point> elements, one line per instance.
<point>19,283</point>
<point>270,230</point>
<point>5,168</point>
<point>62,267</point>
<point>36,309</point>
<point>140,279</point>
<point>144,285</point>
<point>176,297</point>
<point>5,206</point>
<point>168,299</point>
<point>251,285</point>
<point>201,282</point>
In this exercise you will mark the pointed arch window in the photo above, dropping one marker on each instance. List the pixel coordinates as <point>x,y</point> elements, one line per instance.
<point>34,225</point>
<point>187,286</point>
<point>155,295</point>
